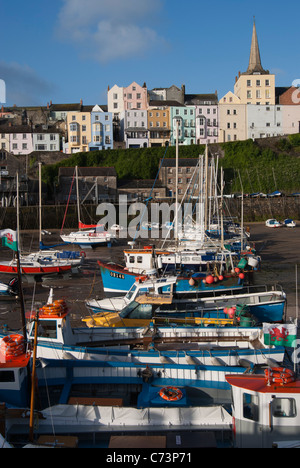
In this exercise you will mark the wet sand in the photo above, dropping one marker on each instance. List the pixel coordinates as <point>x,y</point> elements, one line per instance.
<point>278,248</point>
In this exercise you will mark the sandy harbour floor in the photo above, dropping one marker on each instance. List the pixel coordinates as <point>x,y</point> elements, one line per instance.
<point>278,248</point>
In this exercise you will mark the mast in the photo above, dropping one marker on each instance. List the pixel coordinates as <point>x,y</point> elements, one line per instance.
<point>176,184</point>
<point>206,190</point>
<point>77,195</point>
<point>32,393</point>
<point>40,205</point>
<point>23,321</point>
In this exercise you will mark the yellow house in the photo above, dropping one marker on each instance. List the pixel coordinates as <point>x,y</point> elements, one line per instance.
<point>255,86</point>
<point>79,129</point>
<point>159,126</point>
<point>232,118</point>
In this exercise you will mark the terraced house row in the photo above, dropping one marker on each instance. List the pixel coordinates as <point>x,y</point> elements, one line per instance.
<point>135,117</point>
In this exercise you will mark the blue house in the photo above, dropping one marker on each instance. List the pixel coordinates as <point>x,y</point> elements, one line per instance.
<point>187,127</point>
<point>101,129</point>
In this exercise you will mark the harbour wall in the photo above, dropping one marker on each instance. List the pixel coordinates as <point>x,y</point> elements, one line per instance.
<point>56,216</point>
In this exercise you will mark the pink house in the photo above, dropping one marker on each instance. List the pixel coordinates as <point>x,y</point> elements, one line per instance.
<point>17,139</point>
<point>135,97</point>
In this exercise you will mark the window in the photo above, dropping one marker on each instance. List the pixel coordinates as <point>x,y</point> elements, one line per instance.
<point>258,94</point>
<point>250,407</point>
<point>48,330</point>
<point>284,408</point>
<point>115,96</point>
<point>84,128</point>
<point>267,82</point>
<point>257,82</point>
<point>7,376</point>
<point>248,83</point>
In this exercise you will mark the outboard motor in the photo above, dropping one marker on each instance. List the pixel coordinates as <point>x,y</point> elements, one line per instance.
<point>14,285</point>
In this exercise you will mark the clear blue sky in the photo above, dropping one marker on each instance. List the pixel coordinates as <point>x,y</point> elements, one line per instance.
<point>67,50</point>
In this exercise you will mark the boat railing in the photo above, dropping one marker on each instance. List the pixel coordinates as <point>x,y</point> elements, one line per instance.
<point>248,289</point>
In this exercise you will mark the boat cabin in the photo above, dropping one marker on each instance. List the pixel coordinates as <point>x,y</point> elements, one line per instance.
<point>140,260</point>
<point>14,360</point>
<point>266,408</point>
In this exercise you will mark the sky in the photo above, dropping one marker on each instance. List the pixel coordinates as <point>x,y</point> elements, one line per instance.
<point>66,50</point>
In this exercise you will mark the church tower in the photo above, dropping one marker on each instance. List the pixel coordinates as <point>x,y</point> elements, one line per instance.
<point>256,85</point>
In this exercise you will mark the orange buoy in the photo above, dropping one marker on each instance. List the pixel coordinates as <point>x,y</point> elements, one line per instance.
<point>209,279</point>
<point>171,393</point>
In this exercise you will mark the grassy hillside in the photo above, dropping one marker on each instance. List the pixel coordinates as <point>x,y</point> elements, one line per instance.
<point>264,165</point>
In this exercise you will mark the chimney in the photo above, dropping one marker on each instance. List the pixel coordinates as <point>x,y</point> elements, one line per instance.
<point>81,102</point>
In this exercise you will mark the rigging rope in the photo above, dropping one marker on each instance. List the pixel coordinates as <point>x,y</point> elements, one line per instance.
<point>68,202</point>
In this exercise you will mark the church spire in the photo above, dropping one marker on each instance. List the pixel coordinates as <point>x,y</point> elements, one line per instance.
<point>255,60</point>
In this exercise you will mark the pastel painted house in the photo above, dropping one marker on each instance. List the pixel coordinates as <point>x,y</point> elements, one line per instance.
<point>46,138</point>
<point>187,126</point>
<point>17,139</point>
<point>101,129</point>
<point>264,121</point>
<point>134,127</point>
<point>206,116</point>
<point>135,97</point>
<point>79,130</point>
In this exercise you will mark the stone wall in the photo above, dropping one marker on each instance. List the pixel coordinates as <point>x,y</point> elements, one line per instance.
<point>255,210</point>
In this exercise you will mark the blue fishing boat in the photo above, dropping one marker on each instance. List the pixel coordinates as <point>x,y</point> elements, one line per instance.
<point>118,279</point>
<point>266,304</point>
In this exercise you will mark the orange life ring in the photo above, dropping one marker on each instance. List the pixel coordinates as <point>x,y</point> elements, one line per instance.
<point>52,309</point>
<point>82,253</point>
<point>280,375</point>
<point>13,345</point>
<point>171,393</point>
